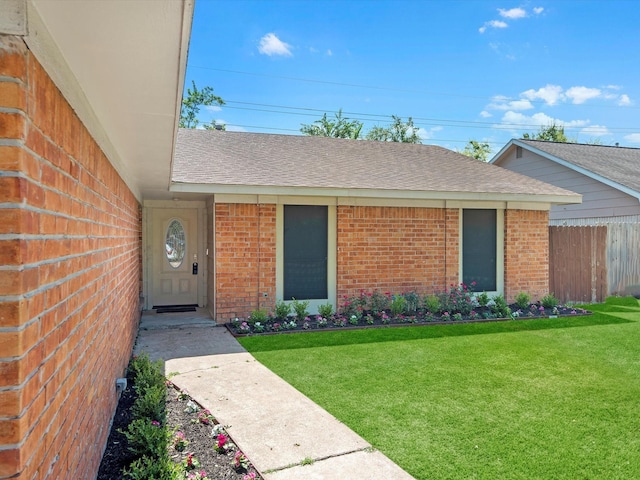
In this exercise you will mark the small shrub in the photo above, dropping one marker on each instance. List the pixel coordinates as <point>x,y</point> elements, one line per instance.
<point>282,310</point>
<point>147,437</point>
<point>325,310</point>
<point>482,299</point>
<point>432,303</point>
<point>378,302</point>
<point>259,315</point>
<point>149,468</point>
<point>352,306</point>
<point>413,301</point>
<point>549,301</point>
<point>150,403</point>
<point>145,373</point>
<point>500,308</point>
<point>301,309</point>
<point>523,300</point>
<point>398,305</point>
<point>459,299</point>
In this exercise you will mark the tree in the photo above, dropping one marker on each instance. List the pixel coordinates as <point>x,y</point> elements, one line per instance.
<point>477,150</point>
<point>191,104</point>
<point>550,133</point>
<point>341,127</point>
<point>398,131</point>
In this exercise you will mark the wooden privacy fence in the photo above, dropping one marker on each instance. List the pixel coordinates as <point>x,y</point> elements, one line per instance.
<point>578,263</point>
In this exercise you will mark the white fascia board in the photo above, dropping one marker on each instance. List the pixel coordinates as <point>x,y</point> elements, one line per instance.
<point>502,151</point>
<point>371,193</point>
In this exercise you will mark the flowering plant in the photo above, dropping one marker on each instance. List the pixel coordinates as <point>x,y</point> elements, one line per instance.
<point>244,327</point>
<point>240,461</point>
<point>222,443</point>
<point>179,442</point>
<point>190,462</point>
<point>205,417</point>
<point>249,476</point>
<point>322,322</point>
<point>191,407</point>
<point>201,475</point>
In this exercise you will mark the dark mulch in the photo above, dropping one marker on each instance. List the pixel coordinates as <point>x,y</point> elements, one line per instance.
<point>243,327</point>
<point>116,457</point>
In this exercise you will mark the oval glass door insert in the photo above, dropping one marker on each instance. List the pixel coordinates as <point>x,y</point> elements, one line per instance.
<point>175,243</point>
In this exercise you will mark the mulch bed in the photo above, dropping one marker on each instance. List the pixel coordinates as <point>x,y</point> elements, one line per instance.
<point>242,327</point>
<point>117,456</point>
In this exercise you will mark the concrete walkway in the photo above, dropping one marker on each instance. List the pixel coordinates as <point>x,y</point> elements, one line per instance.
<point>275,425</point>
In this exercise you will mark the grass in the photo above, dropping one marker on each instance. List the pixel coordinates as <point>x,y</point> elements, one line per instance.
<point>527,399</point>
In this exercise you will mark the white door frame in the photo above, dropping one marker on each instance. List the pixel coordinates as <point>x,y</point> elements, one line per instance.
<point>147,250</point>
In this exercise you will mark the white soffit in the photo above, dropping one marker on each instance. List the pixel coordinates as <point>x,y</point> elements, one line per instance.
<point>121,65</point>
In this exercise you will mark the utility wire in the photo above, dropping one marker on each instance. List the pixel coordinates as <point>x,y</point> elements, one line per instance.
<point>304,111</point>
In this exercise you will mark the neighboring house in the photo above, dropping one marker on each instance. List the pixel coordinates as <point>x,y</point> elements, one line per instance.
<point>320,219</point>
<point>596,244</point>
<point>89,101</point>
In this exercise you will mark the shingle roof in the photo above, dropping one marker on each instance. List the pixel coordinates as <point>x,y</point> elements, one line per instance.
<point>618,164</point>
<point>219,158</point>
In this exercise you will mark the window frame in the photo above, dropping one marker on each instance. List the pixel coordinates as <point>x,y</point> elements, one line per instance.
<point>499,249</point>
<point>331,253</point>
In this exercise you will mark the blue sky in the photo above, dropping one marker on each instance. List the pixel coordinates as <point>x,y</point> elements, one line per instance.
<point>482,70</point>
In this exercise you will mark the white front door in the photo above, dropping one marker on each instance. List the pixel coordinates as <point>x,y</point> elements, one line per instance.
<point>174,257</point>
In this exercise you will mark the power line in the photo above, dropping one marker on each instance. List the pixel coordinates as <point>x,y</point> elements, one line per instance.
<point>503,99</point>
<point>360,116</point>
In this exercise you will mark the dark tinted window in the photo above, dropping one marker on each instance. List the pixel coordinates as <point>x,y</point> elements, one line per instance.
<point>479,249</point>
<point>305,252</point>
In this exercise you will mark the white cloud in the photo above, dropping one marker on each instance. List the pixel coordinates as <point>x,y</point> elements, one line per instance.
<point>427,133</point>
<point>212,108</point>
<point>497,24</point>
<point>272,45</point>
<point>595,131</point>
<point>612,87</point>
<point>633,138</point>
<point>501,103</point>
<point>551,94</point>
<point>538,10</point>
<point>624,100</point>
<point>493,24</point>
<point>579,95</point>
<point>511,119</point>
<point>485,114</point>
<point>329,52</point>
<point>512,13</point>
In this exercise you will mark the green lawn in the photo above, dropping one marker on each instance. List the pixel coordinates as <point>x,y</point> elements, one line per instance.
<point>530,399</point>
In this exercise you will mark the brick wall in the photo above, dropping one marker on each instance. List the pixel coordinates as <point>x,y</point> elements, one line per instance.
<point>245,246</point>
<point>69,279</point>
<point>396,249</point>
<point>526,253</point>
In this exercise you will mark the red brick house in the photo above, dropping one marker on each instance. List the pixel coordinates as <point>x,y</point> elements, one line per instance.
<point>320,218</point>
<point>93,227</point>
<point>89,101</point>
